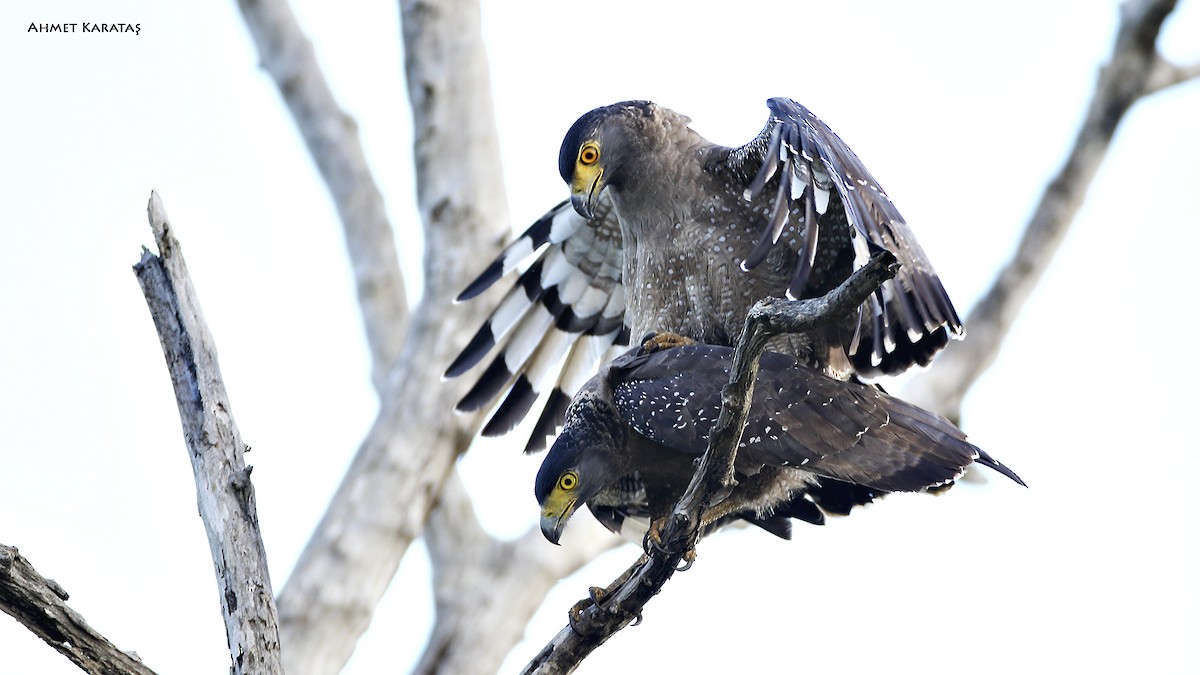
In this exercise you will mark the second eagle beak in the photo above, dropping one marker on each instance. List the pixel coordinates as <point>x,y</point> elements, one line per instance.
<point>585,190</point>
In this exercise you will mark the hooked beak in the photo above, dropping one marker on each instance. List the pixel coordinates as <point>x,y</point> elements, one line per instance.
<point>553,521</point>
<point>585,191</point>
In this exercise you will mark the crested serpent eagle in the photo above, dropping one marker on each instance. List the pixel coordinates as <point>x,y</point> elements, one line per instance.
<point>812,444</point>
<point>666,231</point>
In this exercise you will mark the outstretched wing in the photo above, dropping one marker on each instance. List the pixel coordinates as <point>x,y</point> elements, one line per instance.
<point>799,417</point>
<point>559,319</point>
<point>911,318</point>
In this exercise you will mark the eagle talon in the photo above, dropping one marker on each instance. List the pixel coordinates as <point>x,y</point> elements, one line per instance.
<point>653,541</point>
<point>576,617</point>
<point>656,342</point>
<point>596,594</point>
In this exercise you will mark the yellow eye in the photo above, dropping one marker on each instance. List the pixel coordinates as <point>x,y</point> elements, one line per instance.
<point>568,480</point>
<point>589,154</point>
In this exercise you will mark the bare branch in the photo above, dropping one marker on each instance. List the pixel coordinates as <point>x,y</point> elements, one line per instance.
<point>1129,75</point>
<point>399,470</point>
<point>224,492</point>
<point>592,624</point>
<point>40,604</point>
<point>332,138</point>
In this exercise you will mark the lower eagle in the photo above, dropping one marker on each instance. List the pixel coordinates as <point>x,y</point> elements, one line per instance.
<point>812,444</point>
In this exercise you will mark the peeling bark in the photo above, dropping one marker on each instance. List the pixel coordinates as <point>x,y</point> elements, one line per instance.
<point>224,493</point>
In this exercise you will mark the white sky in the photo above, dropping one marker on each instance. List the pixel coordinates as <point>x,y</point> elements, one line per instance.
<point>961,110</point>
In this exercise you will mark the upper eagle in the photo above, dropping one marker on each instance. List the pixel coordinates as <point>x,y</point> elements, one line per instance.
<point>666,231</point>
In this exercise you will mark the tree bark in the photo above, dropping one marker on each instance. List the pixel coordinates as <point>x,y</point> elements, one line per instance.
<point>224,492</point>
<point>40,604</point>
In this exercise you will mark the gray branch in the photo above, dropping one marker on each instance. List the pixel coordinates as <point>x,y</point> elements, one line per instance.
<point>332,139</point>
<point>40,604</point>
<point>591,624</point>
<point>1135,70</point>
<point>1166,75</point>
<point>224,493</point>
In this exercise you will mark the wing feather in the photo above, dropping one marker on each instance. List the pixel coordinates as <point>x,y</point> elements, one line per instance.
<point>841,430</point>
<point>917,316</point>
<point>555,323</point>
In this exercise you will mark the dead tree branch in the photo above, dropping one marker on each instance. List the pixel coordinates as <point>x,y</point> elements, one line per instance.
<point>622,604</point>
<point>1134,71</point>
<point>332,139</point>
<point>40,604</point>
<point>1167,75</point>
<point>224,492</point>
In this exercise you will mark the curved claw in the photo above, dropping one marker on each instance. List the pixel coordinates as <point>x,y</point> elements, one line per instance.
<point>652,541</point>
<point>689,559</point>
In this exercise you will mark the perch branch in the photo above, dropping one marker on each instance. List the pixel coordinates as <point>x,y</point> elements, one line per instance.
<point>592,624</point>
<point>224,493</point>
<point>1134,71</point>
<point>40,604</point>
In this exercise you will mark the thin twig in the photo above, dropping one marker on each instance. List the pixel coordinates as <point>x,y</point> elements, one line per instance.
<point>40,604</point>
<point>1167,75</point>
<point>595,623</point>
<point>224,493</point>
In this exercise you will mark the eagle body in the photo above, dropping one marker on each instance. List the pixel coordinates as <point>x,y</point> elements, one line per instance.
<point>686,233</point>
<point>667,231</point>
<point>812,444</point>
